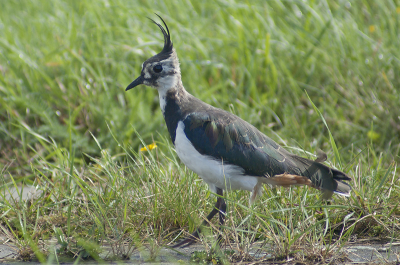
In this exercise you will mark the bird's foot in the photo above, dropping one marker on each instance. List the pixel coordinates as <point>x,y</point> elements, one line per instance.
<point>193,238</point>
<point>188,241</point>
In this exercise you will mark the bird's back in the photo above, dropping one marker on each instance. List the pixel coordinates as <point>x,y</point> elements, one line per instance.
<point>224,136</point>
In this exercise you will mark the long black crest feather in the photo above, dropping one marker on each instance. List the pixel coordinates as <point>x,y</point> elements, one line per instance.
<point>167,37</point>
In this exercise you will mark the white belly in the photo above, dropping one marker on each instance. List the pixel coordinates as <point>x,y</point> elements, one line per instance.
<point>212,171</point>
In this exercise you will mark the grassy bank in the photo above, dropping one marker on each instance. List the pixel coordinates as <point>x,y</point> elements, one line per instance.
<point>68,128</point>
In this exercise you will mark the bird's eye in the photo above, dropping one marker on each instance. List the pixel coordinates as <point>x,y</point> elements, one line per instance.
<point>157,68</point>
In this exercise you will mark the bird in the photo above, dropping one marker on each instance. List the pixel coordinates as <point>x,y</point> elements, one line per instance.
<point>224,150</point>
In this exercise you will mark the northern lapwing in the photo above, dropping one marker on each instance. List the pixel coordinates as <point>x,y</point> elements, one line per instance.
<point>227,152</point>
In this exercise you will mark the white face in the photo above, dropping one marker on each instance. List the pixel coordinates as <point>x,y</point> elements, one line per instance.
<point>161,75</point>
<point>166,82</point>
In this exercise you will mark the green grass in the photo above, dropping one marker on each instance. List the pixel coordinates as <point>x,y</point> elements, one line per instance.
<point>291,68</point>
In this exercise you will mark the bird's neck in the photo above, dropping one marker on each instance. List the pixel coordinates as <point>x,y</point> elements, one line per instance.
<point>168,88</point>
<point>173,90</point>
<point>172,101</point>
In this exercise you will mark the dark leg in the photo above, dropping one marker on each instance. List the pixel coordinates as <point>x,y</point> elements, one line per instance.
<point>220,207</point>
<point>222,213</point>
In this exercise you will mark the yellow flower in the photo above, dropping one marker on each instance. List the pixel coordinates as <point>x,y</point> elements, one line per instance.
<point>374,136</point>
<point>148,147</point>
<point>371,28</point>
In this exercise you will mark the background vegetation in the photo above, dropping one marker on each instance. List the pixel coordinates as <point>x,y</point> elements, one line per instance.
<point>68,128</point>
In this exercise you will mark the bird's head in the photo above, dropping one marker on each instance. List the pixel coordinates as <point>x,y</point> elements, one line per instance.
<point>162,70</point>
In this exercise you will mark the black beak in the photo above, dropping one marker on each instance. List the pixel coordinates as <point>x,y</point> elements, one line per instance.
<point>138,81</point>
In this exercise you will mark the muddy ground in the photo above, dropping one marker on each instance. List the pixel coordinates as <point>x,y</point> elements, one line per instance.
<point>359,252</point>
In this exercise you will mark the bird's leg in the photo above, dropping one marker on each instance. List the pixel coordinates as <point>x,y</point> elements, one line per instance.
<point>220,206</point>
<point>222,213</point>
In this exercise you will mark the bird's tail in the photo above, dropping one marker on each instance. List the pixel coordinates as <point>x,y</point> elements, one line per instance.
<point>303,171</point>
<point>329,180</point>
